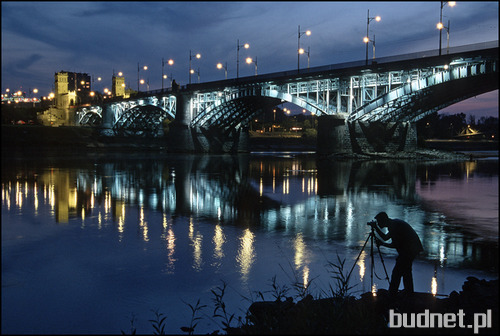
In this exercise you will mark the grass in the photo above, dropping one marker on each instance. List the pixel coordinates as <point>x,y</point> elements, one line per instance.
<point>331,312</point>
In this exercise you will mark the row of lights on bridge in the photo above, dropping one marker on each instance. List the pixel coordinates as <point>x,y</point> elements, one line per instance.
<point>300,51</point>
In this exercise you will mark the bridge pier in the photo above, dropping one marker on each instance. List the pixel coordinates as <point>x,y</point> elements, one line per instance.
<point>335,136</point>
<point>180,137</point>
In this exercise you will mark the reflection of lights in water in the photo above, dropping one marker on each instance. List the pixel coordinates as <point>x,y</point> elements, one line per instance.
<point>361,264</point>
<point>19,196</point>
<point>196,240</point>
<point>144,225</point>
<point>470,167</point>
<point>246,257</point>
<point>374,289</point>
<point>170,239</point>
<point>300,247</point>
<point>434,285</point>
<point>305,278</point>
<point>99,220</point>
<point>261,186</point>
<point>35,194</point>
<point>442,255</point>
<point>219,240</point>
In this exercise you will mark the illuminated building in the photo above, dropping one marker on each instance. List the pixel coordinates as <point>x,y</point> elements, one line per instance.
<point>71,88</point>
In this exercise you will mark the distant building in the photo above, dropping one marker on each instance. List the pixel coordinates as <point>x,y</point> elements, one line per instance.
<point>118,87</point>
<point>71,88</point>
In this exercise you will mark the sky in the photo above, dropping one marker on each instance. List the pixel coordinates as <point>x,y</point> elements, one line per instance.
<point>101,38</point>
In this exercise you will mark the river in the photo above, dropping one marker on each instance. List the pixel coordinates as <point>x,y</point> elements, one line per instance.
<point>91,242</point>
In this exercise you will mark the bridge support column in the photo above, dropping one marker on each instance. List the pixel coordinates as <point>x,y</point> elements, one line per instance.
<point>377,137</point>
<point>107,120</point>
<point>333,135</point>
<point>180,138</point>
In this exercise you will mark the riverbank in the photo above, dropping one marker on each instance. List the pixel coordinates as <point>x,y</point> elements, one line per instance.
<point>35,138</point>
<point>474,309</point>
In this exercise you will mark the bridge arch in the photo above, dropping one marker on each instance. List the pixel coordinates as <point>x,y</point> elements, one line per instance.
<point>241,108</point>
<point>140,120</point>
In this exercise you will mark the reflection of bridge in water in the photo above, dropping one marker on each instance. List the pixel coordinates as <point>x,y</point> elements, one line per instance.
<point>361,107</point>
<point>325,200</point>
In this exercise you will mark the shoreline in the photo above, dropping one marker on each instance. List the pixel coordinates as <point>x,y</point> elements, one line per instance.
<point>34,138</point>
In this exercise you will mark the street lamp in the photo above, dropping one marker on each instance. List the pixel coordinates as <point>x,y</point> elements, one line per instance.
<point>222,66</point>
<point>308,52</point>
<point>308,33</point>
<point>191,70</point>
<point>145,67</point>
<point>249,60</point>
<point>440,25</point>
<point>238,46</point>
<point>163,75</point>
<point>366,39</point>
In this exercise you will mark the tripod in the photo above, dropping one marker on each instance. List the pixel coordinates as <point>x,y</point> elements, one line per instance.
<point>370,237</point>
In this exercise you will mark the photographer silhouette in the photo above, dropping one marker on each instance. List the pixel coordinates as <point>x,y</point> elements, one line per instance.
<point>406,241</point>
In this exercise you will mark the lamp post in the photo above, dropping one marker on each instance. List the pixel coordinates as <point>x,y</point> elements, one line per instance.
<point>198,56</point>
<point>366,39</point>
<point>308,52</point>
<point>145,67</point>
<point>192,72</point>
<point>222,66</point>
<point>238,46</point>
<point>308,33</point>
<point>163,75</point>
<point>249,60</point>
<point>440,25</point>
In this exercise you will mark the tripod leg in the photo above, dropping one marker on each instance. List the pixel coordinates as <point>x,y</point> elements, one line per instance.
<point>383,264</point>
<point>356,261</point>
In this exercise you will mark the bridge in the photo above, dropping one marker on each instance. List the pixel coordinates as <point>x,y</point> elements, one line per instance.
<point>361,107</point>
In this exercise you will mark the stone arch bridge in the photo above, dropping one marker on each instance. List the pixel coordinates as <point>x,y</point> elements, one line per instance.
<point>361,107</point>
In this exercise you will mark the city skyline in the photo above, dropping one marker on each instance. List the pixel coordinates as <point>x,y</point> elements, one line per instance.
<point>104,38</point>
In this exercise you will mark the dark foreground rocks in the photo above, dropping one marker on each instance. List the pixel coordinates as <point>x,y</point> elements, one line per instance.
<point>474,310</point>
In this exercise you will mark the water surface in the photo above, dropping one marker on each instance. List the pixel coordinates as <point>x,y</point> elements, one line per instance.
<point>90,242</point>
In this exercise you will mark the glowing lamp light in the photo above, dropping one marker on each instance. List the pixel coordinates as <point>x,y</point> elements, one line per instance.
<point>246,46</point>
<point>171,61</point>
<point>249,60</point>
<point>378,18</point>
<point>440,26</point>
<point>198,55</point>
<point>145,67</point>
<point>35,90</point>
<point>301,51</point>
<point>366,39</point>
<point>119,74</point>
<point>219,65</point>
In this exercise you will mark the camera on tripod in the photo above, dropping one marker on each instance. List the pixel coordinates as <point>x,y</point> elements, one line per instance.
<point>371,223</point>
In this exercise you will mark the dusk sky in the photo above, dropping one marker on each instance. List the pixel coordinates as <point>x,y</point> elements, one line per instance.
<point>42,38</point>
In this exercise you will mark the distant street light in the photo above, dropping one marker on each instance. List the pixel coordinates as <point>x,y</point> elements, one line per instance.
<point>308,52</point>
<point>163,75</point>
<point>222,66</point>
<point>191,70</point>
<point>308,33</point>
<point>249,60</point>
<point>138,68</point>
<point>366,39</point>
<point>440,25</point>
<point>238,46</point>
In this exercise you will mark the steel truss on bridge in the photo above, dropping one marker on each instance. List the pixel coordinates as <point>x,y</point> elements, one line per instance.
<point>141,116</point>
<point>399,89</point>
